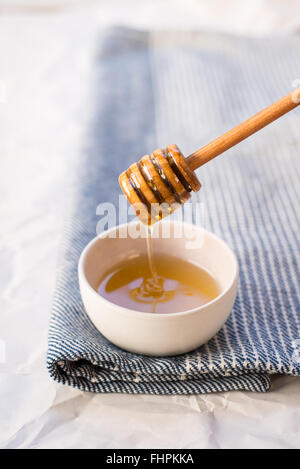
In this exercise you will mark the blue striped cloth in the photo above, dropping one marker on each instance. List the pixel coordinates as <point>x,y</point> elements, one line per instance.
<point>153,89</point>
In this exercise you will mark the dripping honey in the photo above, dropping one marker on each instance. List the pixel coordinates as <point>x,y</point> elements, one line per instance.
<point>155,283</point>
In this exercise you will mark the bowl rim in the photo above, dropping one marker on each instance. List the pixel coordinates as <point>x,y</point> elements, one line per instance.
<point>139,314</point>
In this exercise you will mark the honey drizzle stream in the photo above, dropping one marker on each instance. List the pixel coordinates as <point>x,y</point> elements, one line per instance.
<point>151,264</point>
<point>152,288</point>
<point>150,252</point>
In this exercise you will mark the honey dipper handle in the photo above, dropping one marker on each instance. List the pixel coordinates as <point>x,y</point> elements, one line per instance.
<point>244,130</point>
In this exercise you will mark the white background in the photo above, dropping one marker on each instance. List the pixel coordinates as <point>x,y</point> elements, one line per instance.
<point>43,118</point>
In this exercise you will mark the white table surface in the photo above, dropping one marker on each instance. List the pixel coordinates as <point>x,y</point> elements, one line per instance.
<point>43,120</point>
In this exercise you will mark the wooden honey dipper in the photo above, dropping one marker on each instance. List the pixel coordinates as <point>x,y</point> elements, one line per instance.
<point>161,182</point>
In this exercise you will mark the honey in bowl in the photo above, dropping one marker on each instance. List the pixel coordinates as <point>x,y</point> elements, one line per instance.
<point>166,284</point>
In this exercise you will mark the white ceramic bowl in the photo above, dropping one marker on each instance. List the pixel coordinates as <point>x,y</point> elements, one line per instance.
<point>158,334</point>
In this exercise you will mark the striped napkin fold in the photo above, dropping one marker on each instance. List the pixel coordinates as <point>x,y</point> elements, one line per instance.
<point>153,89</point>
